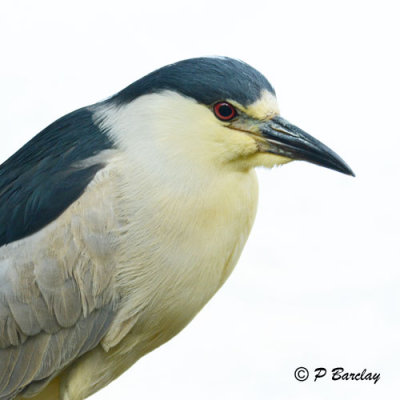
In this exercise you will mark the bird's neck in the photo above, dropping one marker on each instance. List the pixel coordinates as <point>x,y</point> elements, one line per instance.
<point>184,222</point>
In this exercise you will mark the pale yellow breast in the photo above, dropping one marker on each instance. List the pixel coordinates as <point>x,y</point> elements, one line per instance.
<point>175,251</point>
<point>178,247</point>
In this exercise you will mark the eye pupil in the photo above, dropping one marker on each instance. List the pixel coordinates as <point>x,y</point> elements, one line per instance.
<point>224,111</point>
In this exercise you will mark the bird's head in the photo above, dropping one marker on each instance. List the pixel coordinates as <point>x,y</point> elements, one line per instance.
<point>219,111</point>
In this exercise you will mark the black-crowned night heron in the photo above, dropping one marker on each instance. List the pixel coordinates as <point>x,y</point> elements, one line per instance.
<point>119,221</point>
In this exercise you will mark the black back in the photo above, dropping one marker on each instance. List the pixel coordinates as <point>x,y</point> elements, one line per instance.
<point>44,177</point>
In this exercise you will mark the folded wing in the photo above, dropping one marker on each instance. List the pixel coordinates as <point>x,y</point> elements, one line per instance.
<point>56,252</point>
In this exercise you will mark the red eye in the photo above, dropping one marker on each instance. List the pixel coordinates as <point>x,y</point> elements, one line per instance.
<point>224,111</point>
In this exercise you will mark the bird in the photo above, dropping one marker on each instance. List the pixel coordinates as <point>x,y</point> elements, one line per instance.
<point>121,220</point>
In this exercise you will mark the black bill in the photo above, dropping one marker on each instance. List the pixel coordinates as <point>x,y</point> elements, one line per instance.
<point>287,140</point>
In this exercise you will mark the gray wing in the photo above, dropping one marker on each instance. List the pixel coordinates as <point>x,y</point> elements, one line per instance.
<point>56,254</point>
<point>56,295</point>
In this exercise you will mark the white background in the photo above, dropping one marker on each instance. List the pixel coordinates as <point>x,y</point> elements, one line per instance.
<point>317,284</point>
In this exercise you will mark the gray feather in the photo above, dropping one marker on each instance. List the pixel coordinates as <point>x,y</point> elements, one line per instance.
<point>56,303</point>
<point>43,355</point>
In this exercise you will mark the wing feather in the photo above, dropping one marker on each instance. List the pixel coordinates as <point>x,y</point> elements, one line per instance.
<point>57,248</point>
